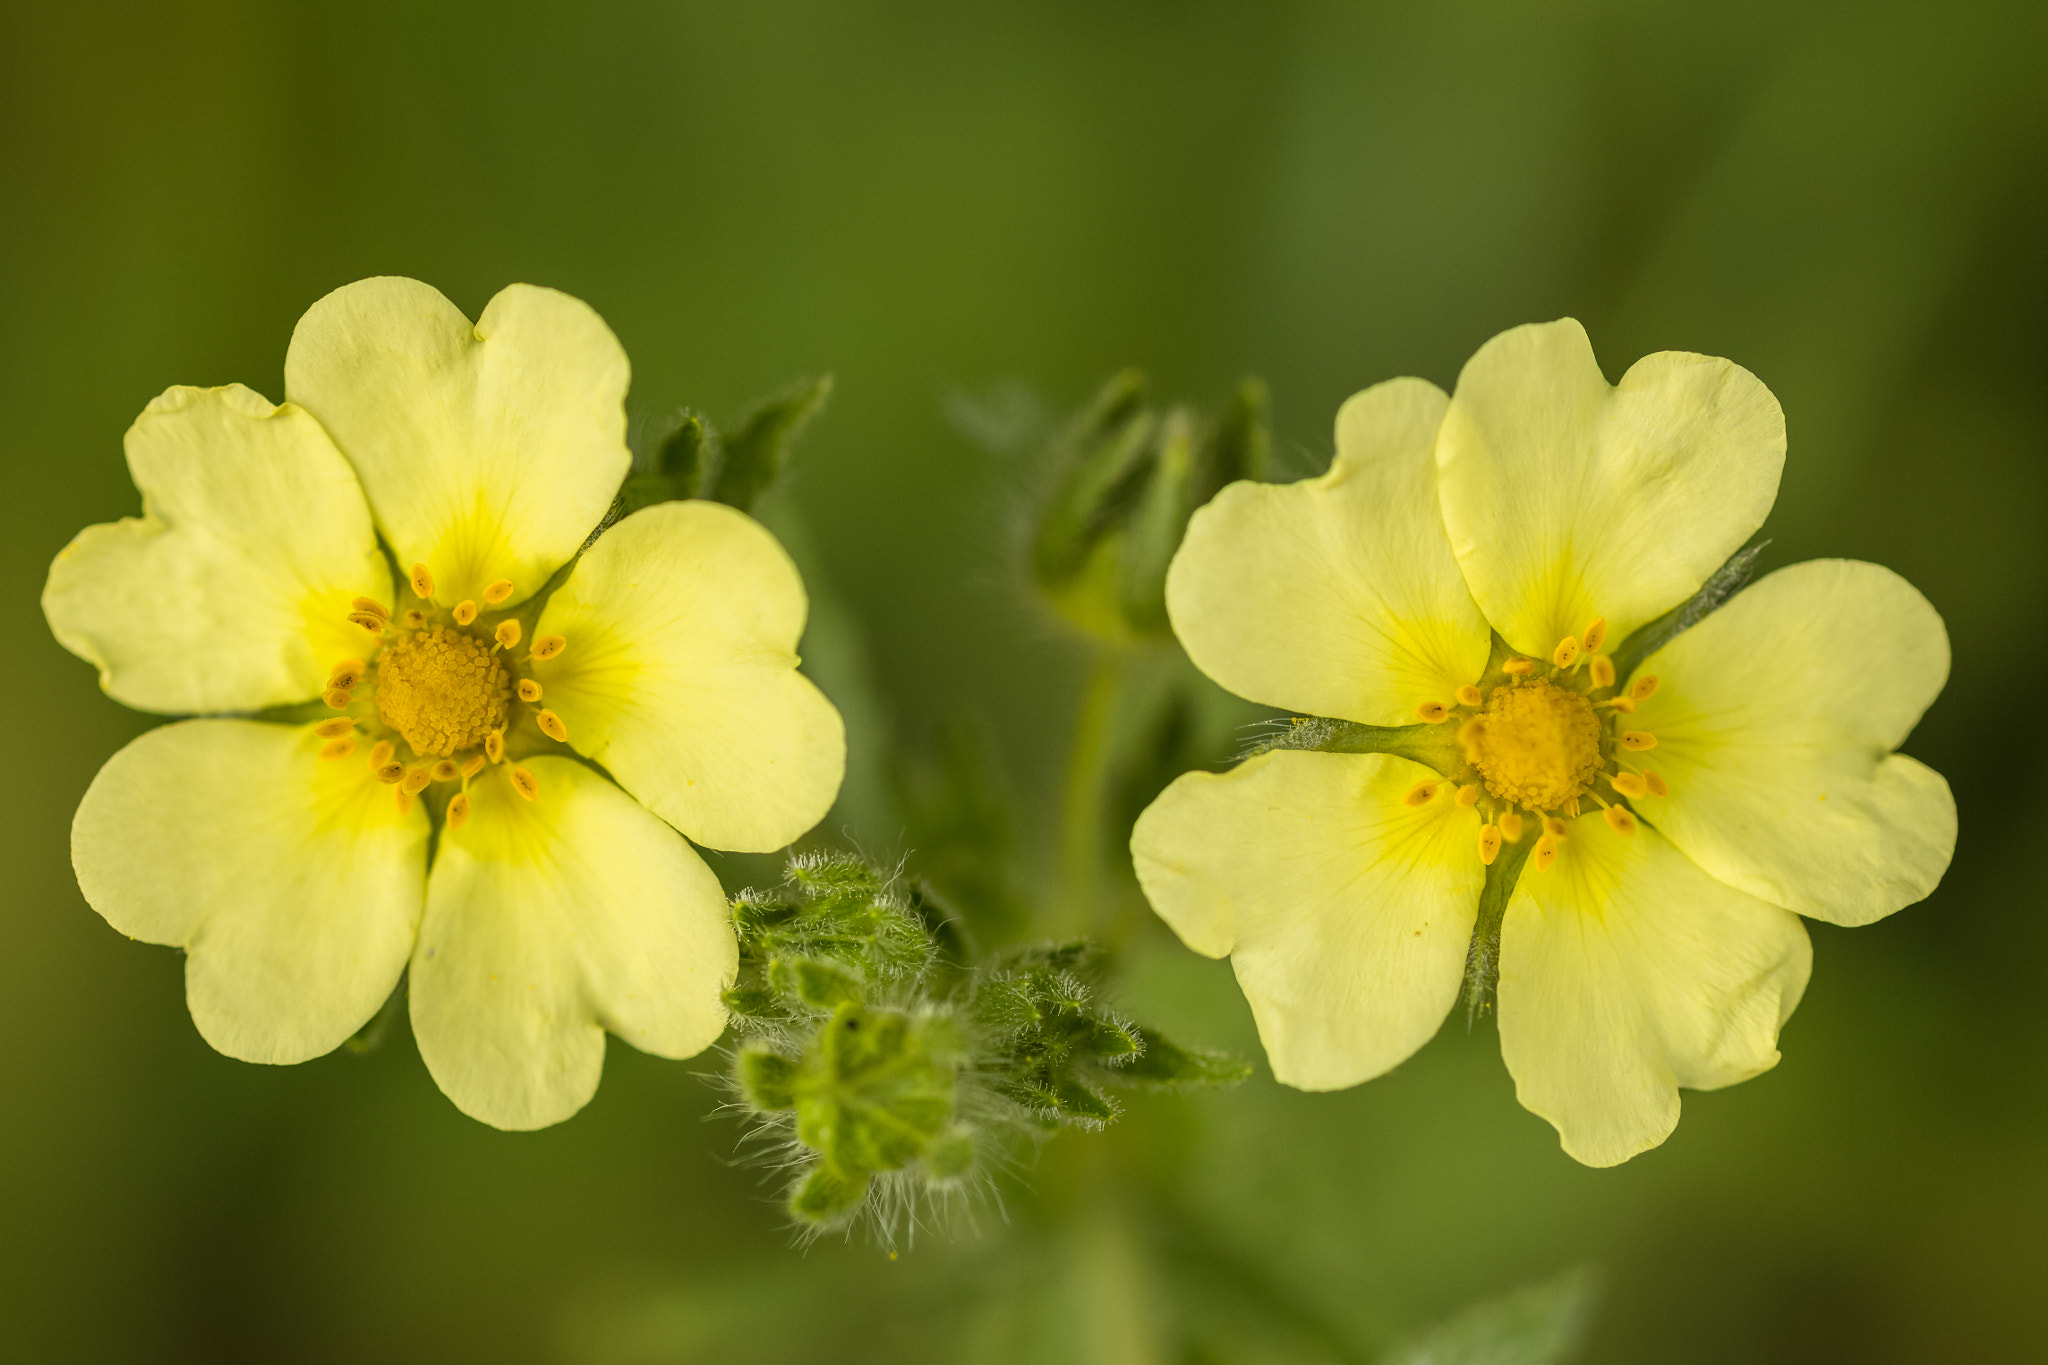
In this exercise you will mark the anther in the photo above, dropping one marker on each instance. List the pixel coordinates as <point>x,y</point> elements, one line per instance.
<point>415,619</point>
<point>1545,853</point>
<point>1468,795</point>
<point>1566,653</point>
<point>1596,631</point>
<point>1468,695</point>
<point>508,634</point>
<point>1603,671</point>
<point>380,755</point>
<point>1641,688</point>
<point>529,690</point>
<point>1553,828</point>
<point>494,746</point>
<point>329,729</point>
<point>337,698</point>
<point>445,770</point>
<point>474,765</point>
<point>1511,826</point>
<point>371,606</point>
<point>391,774</point>
<point>1433,712</point>
<point>1628,784</point>
<point>346,666</point>
<point>1625,706</point>
<point>458,810</point>
<point>1655,784</point>
<point>1518,667</point>
<point>417,779</point>
<point>1489,844</point>
<point>1420,794</point>
<point>526,784</point>
<point>338,748</point>
<point>1619,820</point>
<point>551,726</point>
<point>368,620</point>
<point>1638,740</point>
<point>465,612</point>
<point>345,680</point>
<point>498,591</point>
<point>548,646</point>
<point>422,583</point>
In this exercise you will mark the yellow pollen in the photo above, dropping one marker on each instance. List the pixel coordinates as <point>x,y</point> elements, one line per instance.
<point>380,754</point>
<point>1638,740</point>
<point>1539,746</point>
<point>458,810</point>
<point>442,690</point>
<point>1420,794</point>
<point>337,698</point>
<point>1468,795</point>
<point>1511,826</point>
<point>465,612</point>
<point>1655,784</point>
<point>1518,667</point>
<point>498,591</point>
<point>1641,688</point>
<point>508,633</point>
<point>1628,784</point>
<point>338,748</point>
<point>1434,712</point>
<point>329,729</point>
<point>1469,695</point>
<point>1566,653</point>
<point>551,726</point>
<point>445,770</point>
<point>1545,853</point>
<point>529,690</point>
<point>370,605</point>
<point>526,784</point>
<point>1603,671</point>
<point>1489,844</point>
<point>422,583</point>
<point>1596,632</point>
<point>548,646</point>
<point>1619,820</point>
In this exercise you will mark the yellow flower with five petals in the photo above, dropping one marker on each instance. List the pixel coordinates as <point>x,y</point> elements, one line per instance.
<point>1643,838</point>
<point>453,804</point>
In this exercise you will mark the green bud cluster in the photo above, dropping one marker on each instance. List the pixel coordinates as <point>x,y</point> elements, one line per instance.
<point>691,457</point>
<point>891,1080</point>
<point>1124,478</point>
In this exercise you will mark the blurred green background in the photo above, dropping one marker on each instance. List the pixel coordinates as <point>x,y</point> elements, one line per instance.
<point>929,199</point>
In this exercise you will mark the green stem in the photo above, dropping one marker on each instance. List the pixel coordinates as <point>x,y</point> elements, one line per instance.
<point>1081,805</point>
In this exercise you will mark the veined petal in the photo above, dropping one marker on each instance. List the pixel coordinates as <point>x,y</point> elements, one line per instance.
<point>1626,972</point>
<point>488,451</point>
<point>1775,720</point>
<point>231,591</point>
<point>1336,596</point>
<point>680,676</point>
<point>1569,500</point>
<point>549,922</point>
<point>1345,911</point>
<point>293,883</point>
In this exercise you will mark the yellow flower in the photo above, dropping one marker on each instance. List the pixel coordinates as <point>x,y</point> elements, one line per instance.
<point>430,811</point>
<point>1462,571</point>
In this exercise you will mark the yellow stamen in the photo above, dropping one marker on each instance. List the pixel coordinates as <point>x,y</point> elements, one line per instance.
<point>1655,784</point>
<point>1538,746</point>
<point>494,746</point>
<point>1518,667</point>
<point>498,591</point>
<point>380,755</point>
<point>370,605</point>
<point>415,619</point>
<point>342,666</point>
<point>417,779</point>
<point>390,774</point>
<point>1433,712</point>
<point>548,646</point>
<point>1420,794</point>
<point>465,612</point>
<point>403,798</point>
<point>1625,706</point>
<point>526,784</point>
<point>529,690</point>
<point>1468,795</point>
<point>1469,695</point>
<point>474,766</point>
<point>338,748</point>
<point>369,621</point>
<point>1619,820</point>
<point>1489,844</point>
<point>1638,740</point>
<point>1596,632</point>
<point>1603,671</point>
<point>1511,826</point>
<point>442,690</point>
<point>422,583</point>
<point>1628,784</point>
<point>551,725</point>
<point>328,729</point>
<point>1641,688</point>
<point>1554,828</point>
<point>445,770</point>
<point>508,634</point>
<point>345,680</point>
<point>337,698</point>
<point>458,810</point>
<point>1566,653</point>
<point>1545,853</point>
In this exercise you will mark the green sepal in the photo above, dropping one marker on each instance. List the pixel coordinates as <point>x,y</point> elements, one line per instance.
<point>751,1002</point>
<point>1084,1106</point>
<point>1167,1065</point>
<point>821,984</point>
<point>1105,453</point>
<point>951,1154</point>
<point>875,1089</point>
<point>1433,746</point>
<point>756,448</point>
<point>1242,447</point>
<point>826,1195</point>
<point>1482,955</point>
<point>371,1036</point>
<point>1731,578</point>
<point>1157,519</point>
<point>767,1078</point>
<point>682,466</point>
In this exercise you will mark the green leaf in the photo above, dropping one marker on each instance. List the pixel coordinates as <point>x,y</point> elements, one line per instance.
<point>1167,1065</point>
<point>1103,458</point>
<point>757,447</point>
<point>1542,1324</point>
<point>826,1196</point>
<point>818,983</point>
<point>1156,522</point>
<point>767,1079</point>
<point>1242,447</point>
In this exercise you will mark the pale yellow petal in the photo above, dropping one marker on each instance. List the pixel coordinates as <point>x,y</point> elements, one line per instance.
<point>1775,720</point>
<point>1569,500</point>
<point>680,676</point>
<point>489,451</point>
<point>548,923</point>
<point>231,592</point>
<point>293,883</point>
<point>1626,972</point>
<point>1336,596</point>
<point>1345,911</point>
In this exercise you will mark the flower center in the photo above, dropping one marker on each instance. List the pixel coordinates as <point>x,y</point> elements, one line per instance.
<point>1536,745</point>
<point>442,689</point>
